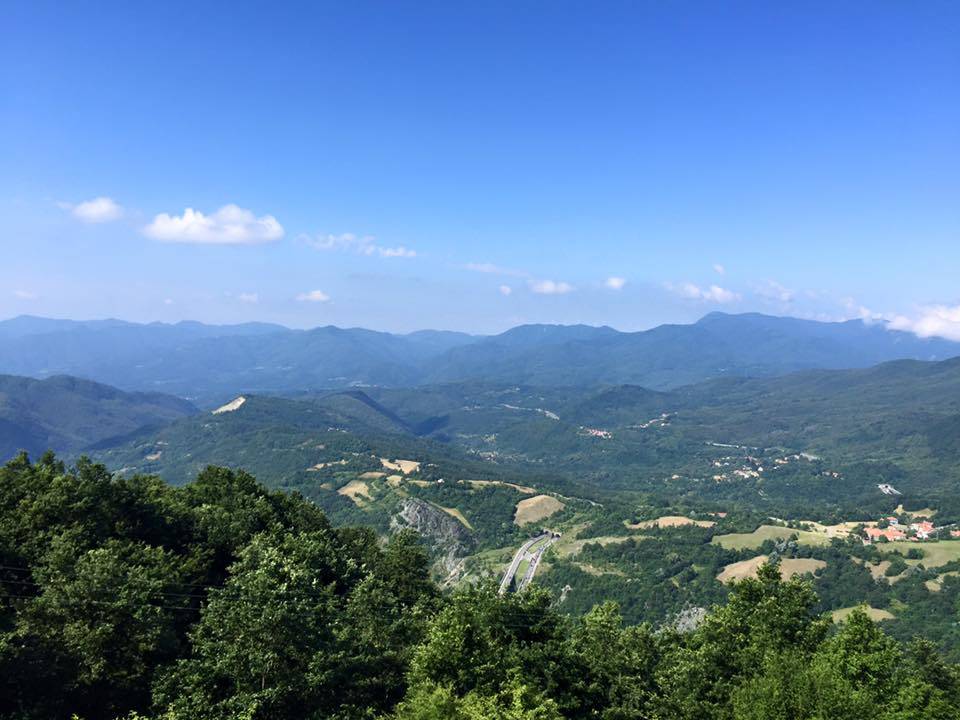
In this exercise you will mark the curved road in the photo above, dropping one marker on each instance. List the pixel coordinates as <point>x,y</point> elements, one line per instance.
<point>518,558</point>
<point>515,563</point>
<point>534,564</point>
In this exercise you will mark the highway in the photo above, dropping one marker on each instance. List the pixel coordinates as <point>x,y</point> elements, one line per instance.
<point>534,564</point>
<point>517,559</point>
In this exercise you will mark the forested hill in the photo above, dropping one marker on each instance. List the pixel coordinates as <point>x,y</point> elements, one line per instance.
<point>69,414</point>
<point>129,598</point>
<point>210,364</point>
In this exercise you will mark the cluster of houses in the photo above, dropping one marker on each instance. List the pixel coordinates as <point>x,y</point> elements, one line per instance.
<point>897,532</point>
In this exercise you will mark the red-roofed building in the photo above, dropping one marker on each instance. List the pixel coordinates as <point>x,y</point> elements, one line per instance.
<point>923,529</point>
<point>890,533</point>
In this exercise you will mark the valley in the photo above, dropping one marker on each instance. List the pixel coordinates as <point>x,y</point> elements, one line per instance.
<point>655,498</point>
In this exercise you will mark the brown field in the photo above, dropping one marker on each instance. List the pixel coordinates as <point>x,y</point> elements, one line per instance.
<point>372,475</point>
<point>394,480</point>
<point>876,614</point>
<point>519,488</point>
<point>404,466</point>
<point>670,521</point>
<point>788,568</point>
<point>536,508</point>
<point>356,490</point>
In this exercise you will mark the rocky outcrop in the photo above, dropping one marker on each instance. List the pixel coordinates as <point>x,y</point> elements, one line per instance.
<point>448,539</point>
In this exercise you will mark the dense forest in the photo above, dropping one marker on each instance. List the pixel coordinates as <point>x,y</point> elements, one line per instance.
<point>130,598</point>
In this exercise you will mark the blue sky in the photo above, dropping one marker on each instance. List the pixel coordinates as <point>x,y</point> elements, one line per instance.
<point>474,166</point>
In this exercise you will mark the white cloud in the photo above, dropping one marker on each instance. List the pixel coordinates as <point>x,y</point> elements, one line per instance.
<point>931,321</point>
<point>230,225</point>
<point>714,293</point>
<point>550,287</point>
<point>314,296</point>
<point>772,290</point>
<point>251,298</point>
<point>615,283</point>
<point>98,210</point>
<point>360,244</point>
<point>25,295</point>
<point>168,301</point>
<point>492,269</point>
<point>506,290</point>
<point>399,251</point>
<point>719,269</point>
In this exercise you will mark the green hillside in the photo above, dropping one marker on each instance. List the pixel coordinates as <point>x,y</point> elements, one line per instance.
<point>67,414</point>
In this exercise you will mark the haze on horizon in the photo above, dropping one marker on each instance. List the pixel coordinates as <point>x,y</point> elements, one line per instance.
<point>400,166</point>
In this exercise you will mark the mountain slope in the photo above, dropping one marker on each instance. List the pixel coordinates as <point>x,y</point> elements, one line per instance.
<point>673,355</point>
<point>67,414</point>
<point>211,363</point>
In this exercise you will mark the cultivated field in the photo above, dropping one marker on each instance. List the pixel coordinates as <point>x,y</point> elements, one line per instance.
<point>788,568</point>
<point>935,554</point>
<point>404,466</point>
<point>536,508</point>
<point>743,541</point>
<point>356,490</point>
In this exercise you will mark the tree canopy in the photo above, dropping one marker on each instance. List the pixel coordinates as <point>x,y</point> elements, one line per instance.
<point>127,597</point>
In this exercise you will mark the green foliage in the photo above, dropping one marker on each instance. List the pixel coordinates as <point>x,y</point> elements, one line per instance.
<point>217,599</point>
<point>221,600</point>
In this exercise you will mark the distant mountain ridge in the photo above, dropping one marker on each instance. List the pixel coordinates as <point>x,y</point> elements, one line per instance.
<point>67,414</point>
<point>210,364</point>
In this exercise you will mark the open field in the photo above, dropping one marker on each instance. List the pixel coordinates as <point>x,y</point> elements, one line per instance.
<point>838,530</point>
<point>519,488</point>
<point>372,475</point>
<point>743,541</point>
<point>536,508</point>
<point>670,521</point>
<point>788,568</point>
<point>394,480</point>
<point>574,546</point>
<point>356,490</point>
<point>935,554</point>
<point>876,614</point>
<point>404,466</point>
<point>921,513</point>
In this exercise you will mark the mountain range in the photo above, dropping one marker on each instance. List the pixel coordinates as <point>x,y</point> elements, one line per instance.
<point>208,364</point>
<point>68,414</point>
